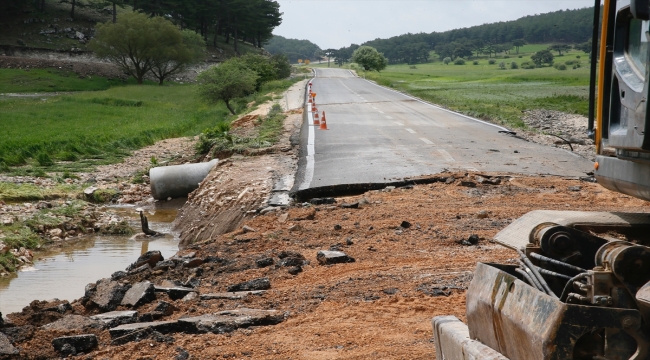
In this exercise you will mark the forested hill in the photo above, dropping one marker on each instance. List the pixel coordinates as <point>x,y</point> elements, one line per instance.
<point>294,49</point>
<point>43,23</point>
<point>564,26</point>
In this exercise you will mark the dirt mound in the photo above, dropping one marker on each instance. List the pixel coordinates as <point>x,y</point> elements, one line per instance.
<point>247,121</point>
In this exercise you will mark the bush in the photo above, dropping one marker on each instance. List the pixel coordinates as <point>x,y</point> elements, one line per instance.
<point>492,61</point>
<point>502,65</point>
<point>572,62</point>
<point>576,66</point>
<point>520,56</point>
<point>513,65</point>
<point>413,67</point>
<point>527,65</point>
<point>44,159</point>
<point>475,62</point>
<point>506,57</point>
<point>560,66</point>
<point>459,61</point>
<point>577,56</point>
<point>446,60</point>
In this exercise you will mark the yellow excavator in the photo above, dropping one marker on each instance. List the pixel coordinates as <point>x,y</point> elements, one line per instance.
<point>580,288</point>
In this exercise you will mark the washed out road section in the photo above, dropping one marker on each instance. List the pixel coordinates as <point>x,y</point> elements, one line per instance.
<point>379,135</point>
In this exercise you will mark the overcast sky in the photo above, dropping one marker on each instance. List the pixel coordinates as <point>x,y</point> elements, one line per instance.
<point>339,23</point>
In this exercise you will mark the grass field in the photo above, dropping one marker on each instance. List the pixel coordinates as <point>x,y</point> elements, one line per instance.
<point>488,92</point>
<point>74,132</point>
<point>50,80</point>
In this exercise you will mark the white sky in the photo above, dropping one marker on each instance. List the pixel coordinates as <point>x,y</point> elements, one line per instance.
<point>339,23</point>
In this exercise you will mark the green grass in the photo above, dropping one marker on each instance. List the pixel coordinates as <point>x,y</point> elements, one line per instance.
<point>50,80</point>
<point>487,92</point>
<point>30,192</point>
<point>97,127</point>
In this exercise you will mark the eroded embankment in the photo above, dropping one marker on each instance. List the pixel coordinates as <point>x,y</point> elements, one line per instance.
<point>240,187</point>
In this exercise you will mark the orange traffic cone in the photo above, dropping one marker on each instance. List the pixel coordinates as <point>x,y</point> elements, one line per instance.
<point>316,119</point>
<point>310,100</point>
<point>323,124</point>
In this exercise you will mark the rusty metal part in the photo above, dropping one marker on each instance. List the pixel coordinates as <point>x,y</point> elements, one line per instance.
<point>523,323</point>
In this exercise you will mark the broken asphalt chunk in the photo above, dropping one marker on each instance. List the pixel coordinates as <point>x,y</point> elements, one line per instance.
<point>322,201</point>
<point>231,295</point>
<point>116,318</point>
<point>354,205</point>
<point>72,345</point>
<point>326,257</point>
<point>5,346</point>
<point>131,332</point>
<point>74,322</point>
<point>264,262</point>
<point>150,257</point>
<point>106,294</point>
<point>174,293</point>
<point>228,321</point>
<point>139,294</point>
<point>256,284</point>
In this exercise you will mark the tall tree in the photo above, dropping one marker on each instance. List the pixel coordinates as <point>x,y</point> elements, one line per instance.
<point>369,58</point>
<point>135,42</point>
<point>179,50</point>
<point>225,82</point>
<point>517,43</point>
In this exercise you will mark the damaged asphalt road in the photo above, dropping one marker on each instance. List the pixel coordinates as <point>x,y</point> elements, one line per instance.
<point>377,135</point>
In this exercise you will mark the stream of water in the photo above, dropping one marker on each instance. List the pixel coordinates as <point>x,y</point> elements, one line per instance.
<point>64,272</point>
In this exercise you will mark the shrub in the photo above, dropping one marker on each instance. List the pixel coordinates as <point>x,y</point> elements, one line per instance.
<point>459,61</point>
<point>101,196</point>
<point>577,56</point>
<point>560,66</point>
<point>68,156</point>
<point>44,159</point>
<point>527,65</point>
<point>446,60</point>
<point>513,65</point>
<point>413,67</point>
<point>572,62</point>
<point>506,57</point>
<point>475,62</point>
<point>492,61</point>
<point>520,56</point>
<point>502,65</point>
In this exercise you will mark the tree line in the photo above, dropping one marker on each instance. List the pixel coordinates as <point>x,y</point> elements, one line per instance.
<point>252,21</point>
<point>562,27</point>
<point>294,49</point>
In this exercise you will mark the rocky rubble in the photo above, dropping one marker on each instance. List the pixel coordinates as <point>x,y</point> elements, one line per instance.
<point>555,128</point>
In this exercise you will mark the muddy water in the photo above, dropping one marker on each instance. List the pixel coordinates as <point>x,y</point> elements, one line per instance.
<point>64,272</point>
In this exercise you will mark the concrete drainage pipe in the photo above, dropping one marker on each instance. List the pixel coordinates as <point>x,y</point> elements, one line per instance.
<point>178,180</point>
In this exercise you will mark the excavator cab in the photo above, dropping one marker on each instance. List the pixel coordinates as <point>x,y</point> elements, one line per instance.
<point>623,161</point>
<point>580,287</point>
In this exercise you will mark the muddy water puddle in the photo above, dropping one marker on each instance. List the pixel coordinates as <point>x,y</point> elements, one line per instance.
<point>63,272</point>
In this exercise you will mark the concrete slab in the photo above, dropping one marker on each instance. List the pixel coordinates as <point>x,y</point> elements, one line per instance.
<point>453,343</point>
